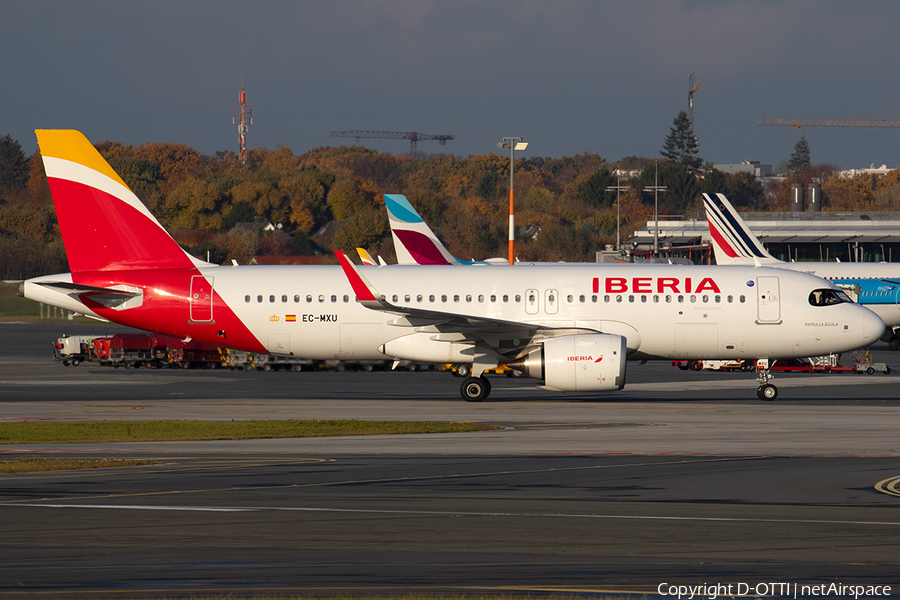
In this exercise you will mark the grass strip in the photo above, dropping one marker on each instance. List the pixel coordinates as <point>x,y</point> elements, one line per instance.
<point>29,464</point>
<point>36,432</point>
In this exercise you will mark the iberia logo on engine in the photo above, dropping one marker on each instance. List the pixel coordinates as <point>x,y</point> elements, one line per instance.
<point>580,358</point>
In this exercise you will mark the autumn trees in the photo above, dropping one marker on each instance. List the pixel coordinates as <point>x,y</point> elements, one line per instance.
<point>331,198</point>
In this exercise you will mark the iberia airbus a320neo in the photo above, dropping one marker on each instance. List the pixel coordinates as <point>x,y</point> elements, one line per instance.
<point>572,326</point>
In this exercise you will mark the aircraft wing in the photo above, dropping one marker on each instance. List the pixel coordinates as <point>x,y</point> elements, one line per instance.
<point>506,337</point>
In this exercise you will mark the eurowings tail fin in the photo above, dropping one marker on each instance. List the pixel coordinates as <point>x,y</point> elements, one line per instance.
<point>103,224</point>
<point>414,241</point>
<point>733,242</point>
<point>365,257</point>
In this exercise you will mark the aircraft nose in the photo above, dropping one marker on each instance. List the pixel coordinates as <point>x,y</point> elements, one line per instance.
<point>873,327</point>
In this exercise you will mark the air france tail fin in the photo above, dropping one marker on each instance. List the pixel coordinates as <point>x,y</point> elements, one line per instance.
<point>733,242</point>
<point>103,224</point>
<point>414,241</point>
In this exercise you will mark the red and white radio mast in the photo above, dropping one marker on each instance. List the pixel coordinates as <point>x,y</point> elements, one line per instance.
<point>244,123</point>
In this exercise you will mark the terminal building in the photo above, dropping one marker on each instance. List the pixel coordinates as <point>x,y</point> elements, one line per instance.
<point>799,235</point>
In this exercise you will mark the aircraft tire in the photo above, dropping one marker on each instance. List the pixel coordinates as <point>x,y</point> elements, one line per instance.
<point>894,343</point>
<point>767,392</point>
<point>475,389</point>
<point>695,365</point>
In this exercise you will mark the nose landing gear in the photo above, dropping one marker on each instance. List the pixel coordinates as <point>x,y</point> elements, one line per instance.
<point>766,390</point>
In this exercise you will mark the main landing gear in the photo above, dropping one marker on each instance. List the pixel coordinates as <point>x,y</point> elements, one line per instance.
<point>766,390</point>
<point>475,389</point>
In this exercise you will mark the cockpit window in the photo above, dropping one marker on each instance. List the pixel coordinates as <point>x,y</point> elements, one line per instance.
<point>828,297</point>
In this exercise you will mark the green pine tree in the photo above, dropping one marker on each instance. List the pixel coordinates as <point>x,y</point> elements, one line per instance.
<point>13,163</point>
<point>681,144</point>
<point>800,158</point>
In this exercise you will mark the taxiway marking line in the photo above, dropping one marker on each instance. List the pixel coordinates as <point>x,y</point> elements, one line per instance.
<point>320,509</point>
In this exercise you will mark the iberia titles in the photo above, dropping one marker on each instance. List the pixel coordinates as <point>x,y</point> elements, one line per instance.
<point>654,285</point>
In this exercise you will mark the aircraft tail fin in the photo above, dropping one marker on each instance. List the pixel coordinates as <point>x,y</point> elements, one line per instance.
<point>733,242</point>
<point>103,224</point>
<point>365,257</point>
<point>414,241</point>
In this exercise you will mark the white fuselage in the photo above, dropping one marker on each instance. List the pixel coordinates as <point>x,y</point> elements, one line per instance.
<point>662,311</point>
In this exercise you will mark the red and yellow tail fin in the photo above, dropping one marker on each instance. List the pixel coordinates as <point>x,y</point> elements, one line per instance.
<point>103,224</point>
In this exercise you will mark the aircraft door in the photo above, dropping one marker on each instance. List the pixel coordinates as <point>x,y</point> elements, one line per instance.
<point>531,302</point>
<point>768,299</point>
<point>201,301</point>
<point>551,302</point>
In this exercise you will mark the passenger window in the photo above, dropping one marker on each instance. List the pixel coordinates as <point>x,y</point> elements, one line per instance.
<point>518,298</point>
<point>259,298</point>
<point>619,298</point>
<point>296,298</point>
<point>668,299</point>
<point>581,299</point>
<point>742,299</point>
<point>693,298</point>
<point>309,298</point>
<point>394,298</point>
<point>468,297</point>
<point>406,298</point>
<point>272,298</point>
<point>481,297</point>
<point>655,298</point>
<point>730,299</point>
<point>493,297</point>
<point>718,299</point>
<point>505,298</point>
<point>321,297</point>
<point>419,298</point>
<point>443,297</point>
<point>284,298</point>
<point>594,298</point>
<point>431,298</point>
<point>606,298</point>
<point>247,298</point>
<point>333,298</point>
<point>346,298</point>
<point>643,298</point>
<point>680,298</point>
<point>456,297</point>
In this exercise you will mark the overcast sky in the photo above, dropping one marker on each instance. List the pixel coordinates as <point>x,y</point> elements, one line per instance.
<point>571,76</point>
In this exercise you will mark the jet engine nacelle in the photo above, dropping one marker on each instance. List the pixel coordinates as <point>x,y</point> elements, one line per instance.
<point>578,363</point>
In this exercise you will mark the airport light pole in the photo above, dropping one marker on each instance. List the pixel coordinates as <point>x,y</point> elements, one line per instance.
<point>618,188</point>
<point>656,189</point>
<point>513,143</point>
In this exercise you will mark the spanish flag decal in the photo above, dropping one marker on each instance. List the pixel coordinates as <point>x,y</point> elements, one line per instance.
<point>290,318</point>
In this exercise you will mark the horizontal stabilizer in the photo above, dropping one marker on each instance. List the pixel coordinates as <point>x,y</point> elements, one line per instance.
<point>110,297</point>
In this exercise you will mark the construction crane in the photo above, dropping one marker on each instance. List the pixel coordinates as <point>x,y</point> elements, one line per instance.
<point>412,136</point>
<point>798,123</point>
<point>693,86</point>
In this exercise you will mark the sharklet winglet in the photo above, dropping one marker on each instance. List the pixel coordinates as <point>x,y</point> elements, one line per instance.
<point>361,286</point>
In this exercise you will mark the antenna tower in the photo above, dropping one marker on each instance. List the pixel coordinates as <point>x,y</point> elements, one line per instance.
<point>244,122</point>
